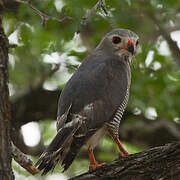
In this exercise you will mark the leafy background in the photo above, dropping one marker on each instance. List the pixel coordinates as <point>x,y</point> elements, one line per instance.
<point>46,57</point>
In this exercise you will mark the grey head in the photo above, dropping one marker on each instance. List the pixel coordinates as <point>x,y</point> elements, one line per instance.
<point>120,42</point>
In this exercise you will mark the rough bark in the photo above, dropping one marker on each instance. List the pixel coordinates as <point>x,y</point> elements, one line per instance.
<point>5,148</point>
<point>160,163</point>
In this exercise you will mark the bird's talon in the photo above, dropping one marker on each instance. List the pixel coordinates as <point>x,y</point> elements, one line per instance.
<point>95,166</point>
<point>120,155</point>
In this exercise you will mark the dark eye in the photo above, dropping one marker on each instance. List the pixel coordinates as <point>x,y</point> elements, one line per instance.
<point>116,39</point>
<point>137,42</point>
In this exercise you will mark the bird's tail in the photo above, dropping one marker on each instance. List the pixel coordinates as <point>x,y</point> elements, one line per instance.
<point>77,142</point>
<point>72,152</point>
<point>58,148</point>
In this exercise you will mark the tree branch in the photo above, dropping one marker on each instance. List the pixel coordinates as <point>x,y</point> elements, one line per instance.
<point>23,160</point>
<point>157,163</point>
<point>166,34</point>
<point>144,133</point>
<point>5,147</point>
<point>172,44</point>
<point>99,4</point>
<point>35,105</point>
<point>44,17</point>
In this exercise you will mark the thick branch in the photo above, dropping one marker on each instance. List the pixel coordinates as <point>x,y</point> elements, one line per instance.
<point>5,149</point>
<point>157,163</point>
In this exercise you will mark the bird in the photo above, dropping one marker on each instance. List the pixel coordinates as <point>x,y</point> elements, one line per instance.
<point>92,103</point>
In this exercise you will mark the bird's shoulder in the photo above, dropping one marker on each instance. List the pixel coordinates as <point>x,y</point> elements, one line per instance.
<point>92,76</point>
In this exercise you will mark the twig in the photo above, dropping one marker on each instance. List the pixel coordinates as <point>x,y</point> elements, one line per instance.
<point>99,4</point>
<point>103,6</point>
<point>23,160</point>
<point>44,17</point>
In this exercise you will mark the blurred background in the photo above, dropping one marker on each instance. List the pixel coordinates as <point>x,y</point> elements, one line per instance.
<point>46,57</point>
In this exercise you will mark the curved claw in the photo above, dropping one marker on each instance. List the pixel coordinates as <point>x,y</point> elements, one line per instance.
<point>95,166</point>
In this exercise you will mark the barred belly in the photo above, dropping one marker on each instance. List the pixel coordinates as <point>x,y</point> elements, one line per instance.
<point>114,124</point>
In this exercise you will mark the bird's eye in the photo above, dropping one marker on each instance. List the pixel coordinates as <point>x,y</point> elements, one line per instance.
<point>116,39</point>
<point>137,42</point>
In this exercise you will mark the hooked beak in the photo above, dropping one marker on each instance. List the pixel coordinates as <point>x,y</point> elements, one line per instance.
<point>130,46</point>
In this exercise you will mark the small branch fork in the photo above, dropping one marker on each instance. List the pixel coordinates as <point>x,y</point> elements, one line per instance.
<point>23,160</point>
<point>99,4</point>
<point>44,17</point>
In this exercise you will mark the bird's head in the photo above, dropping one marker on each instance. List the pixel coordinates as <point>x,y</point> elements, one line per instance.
<point>121,42</point>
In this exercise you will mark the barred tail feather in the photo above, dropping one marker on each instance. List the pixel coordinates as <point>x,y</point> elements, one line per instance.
<point>72,152</point>
<point>47,162</point>
<point>55,151</point>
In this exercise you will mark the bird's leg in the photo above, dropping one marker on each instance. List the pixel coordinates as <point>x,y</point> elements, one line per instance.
<point>122,150</point>
<point>93,162</point>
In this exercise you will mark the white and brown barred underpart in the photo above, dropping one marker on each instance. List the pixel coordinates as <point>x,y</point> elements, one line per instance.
<point>114,124</point>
